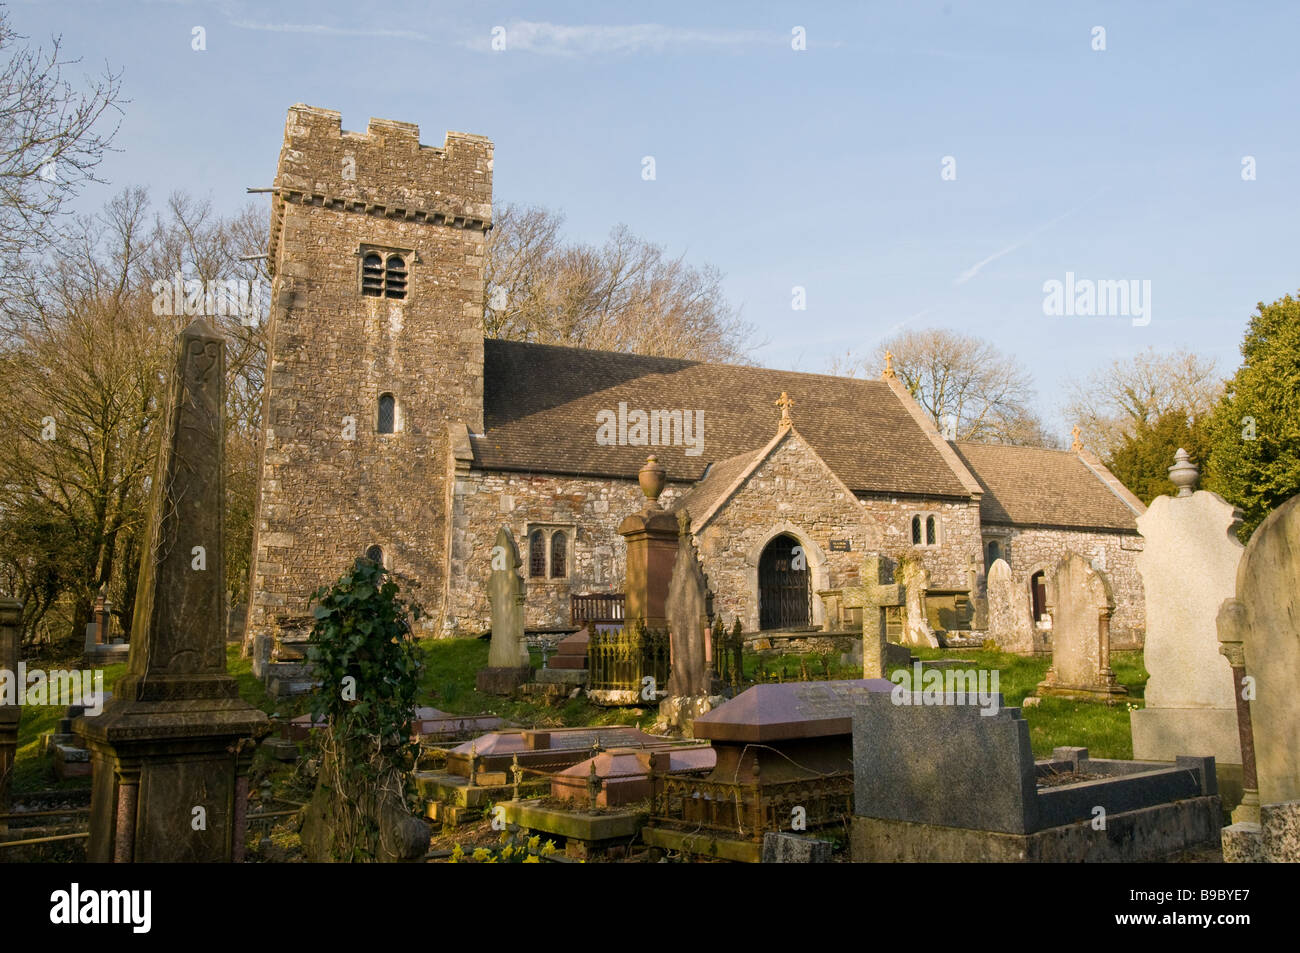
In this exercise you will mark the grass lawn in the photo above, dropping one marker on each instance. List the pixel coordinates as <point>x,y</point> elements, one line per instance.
<point>1101,728</point>
<point>450,665</point>
<point>447,683</point>
<point>32,771</point>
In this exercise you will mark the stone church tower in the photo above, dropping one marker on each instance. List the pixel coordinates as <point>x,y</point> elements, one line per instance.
<point>375,350</point>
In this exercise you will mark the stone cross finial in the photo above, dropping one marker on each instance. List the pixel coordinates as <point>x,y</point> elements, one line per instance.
<point>785,403</point>
<point>1076,444</point>
<point>1184,473</point>
<point>888,373</point>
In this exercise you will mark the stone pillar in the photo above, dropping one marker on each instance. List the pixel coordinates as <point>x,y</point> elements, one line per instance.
<point>168,749</point>
<point>651,551</point>
<point>128,799</point>
<point>10,630</point>
<point>1230,624</point>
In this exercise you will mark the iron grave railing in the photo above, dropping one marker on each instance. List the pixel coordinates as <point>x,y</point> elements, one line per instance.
<point>749,810</point>
<point>619,659</point>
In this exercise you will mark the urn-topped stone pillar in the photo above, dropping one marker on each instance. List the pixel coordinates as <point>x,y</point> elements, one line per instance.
<point>651,536</point>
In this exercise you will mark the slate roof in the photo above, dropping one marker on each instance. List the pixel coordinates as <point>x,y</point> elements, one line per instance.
<point>719,479</point>
<point>540,404</point>
<point>1032,486</point>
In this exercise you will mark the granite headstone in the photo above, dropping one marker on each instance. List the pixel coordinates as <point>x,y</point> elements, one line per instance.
<point>1189,566</point>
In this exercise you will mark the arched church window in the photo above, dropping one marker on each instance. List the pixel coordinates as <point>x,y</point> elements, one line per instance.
<point>395,277</point>
<point>372,276</point>
<point>375,554</point>
<point>387,413</point>
<point>931,531</point>
<point>994,552</point>
<point>537,554</point>
<point>559,554</point>
<point>916,531</point>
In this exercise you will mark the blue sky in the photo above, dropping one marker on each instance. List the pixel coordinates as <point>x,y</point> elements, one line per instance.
<point>818,168</point>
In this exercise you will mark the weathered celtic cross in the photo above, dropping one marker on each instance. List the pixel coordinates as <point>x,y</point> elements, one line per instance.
<point>873,597</point>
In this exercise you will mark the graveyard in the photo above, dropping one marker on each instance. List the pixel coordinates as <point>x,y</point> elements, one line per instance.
<point>393,518</point>
<point>910,725</point>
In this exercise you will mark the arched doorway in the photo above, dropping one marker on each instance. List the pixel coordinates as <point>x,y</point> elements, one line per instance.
<point>783,601</point>
<point>1038,595</point>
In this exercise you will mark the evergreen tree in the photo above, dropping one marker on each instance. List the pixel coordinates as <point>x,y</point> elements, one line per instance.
<point>1255,435</point>
<point>1144,457</point>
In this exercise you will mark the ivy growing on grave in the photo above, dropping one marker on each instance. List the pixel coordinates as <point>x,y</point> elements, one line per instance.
<point>368,667</point>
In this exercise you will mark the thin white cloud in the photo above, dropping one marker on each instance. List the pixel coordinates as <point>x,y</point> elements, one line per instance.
<point>974,269</point>
<point>907,320</point>
<point>558,39</point>
<point>321,29</point>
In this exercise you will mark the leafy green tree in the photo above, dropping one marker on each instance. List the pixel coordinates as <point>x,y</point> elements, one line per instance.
<point>1255,435</point>
<point>1144,456</point>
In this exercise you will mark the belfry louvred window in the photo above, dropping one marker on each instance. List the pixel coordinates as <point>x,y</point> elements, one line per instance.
<point>395,277</point>
<point>372,276</point>
<point>383,276</point>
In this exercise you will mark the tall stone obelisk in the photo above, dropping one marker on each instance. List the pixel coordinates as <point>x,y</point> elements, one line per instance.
<point>171,751</point>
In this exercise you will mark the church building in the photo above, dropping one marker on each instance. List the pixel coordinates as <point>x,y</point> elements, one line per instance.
<point>393,428</point>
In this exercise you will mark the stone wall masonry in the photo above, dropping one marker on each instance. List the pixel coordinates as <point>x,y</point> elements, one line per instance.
<point>950,562</point>
<point>323,498</point>
<point>487,499</point>
<point>1029,550</point>
<point>792,491</point>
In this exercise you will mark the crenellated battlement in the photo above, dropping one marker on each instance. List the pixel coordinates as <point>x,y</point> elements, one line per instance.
<point>384,171</point>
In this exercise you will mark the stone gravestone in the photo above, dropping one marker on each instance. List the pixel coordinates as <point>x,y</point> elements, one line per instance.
<point>687,610</point>
<point>687,613</point>
<point>1080,601</point>
<point>872,597</point>
<point>1264,618</point>
<point>1189,566</point>
<point>1009,624</point>
<point>172,750</point>
<point>508,663</point>
<point>10,712</point>
<point>916,626</point>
